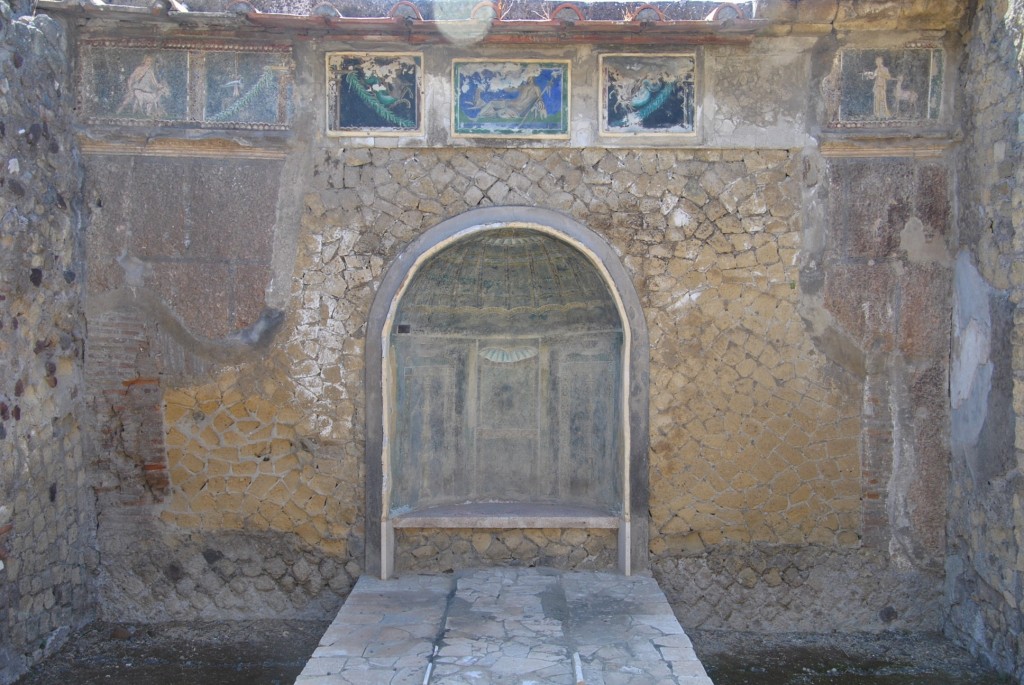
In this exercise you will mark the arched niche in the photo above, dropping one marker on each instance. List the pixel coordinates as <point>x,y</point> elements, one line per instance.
<point>481,410</point>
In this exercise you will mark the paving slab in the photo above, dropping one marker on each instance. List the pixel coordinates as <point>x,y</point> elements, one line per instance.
<point>506,626</point>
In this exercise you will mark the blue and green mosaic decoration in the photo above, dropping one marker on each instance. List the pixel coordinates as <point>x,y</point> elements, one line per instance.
<point>374,94</point>
<point>648,94</point>
<point>517,99</point>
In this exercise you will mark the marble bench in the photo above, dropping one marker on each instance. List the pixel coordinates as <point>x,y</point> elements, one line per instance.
<point>503,515</point>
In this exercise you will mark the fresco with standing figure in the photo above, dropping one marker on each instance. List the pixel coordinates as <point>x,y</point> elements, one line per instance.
<point>206,85</point>
<point>884,88</point>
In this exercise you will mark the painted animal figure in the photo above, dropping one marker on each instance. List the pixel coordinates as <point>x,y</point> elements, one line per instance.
<point>632,95</point>
<point>901,95</point>
<point>397,93</point>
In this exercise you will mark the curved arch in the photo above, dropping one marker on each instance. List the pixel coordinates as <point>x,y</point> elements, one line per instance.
<point>405,4</point>
<point>633,554</point>
<point>635,17</point>
<point>566,7</point>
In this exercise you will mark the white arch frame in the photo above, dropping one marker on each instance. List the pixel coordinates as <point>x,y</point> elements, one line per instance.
<point>381,387</point>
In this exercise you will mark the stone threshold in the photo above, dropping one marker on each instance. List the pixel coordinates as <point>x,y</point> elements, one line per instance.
<point>506,626</point>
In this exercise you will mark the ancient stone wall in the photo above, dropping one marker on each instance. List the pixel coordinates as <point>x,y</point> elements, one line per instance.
<point>799,255</point>
<point>46,512</point>
<point>178,272</point>
<point>984,586</point>
<point>796,292</point>
<point>756,448</point>
<point>873,283</point>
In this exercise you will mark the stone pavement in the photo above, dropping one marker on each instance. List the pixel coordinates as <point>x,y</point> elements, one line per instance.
<point>505,626</point>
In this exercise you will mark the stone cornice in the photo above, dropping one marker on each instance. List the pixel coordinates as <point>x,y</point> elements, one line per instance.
<point>568,23</point>
<point>887,146</point>
<point>657,22</point>
<point>216,148</point>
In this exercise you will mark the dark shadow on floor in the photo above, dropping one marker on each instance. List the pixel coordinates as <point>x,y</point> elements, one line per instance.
<point>733,658</point>
<point>271,652</point>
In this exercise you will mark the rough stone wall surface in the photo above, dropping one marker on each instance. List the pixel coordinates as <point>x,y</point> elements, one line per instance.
<point>46,519</point>
<point>755,432</point>
<point>984,587</point>
<point>449,549</point>
<point>763,587</point>
<point>177,271</point>
<point>887,239</point>
<point>797,300</point>
<point>186,230</point>
<point>797,307</point>
<point>179,264</point>
<point>875,15</point>
<point>711,238</point>
<point>874,284</point>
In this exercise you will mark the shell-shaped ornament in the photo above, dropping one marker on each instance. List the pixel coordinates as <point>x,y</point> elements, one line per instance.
<point>508,355</point>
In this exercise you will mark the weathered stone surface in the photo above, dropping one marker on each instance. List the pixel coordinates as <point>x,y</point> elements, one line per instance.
<point>885,274</point>
<point>865,15</point>
<point>773,587</point>
<point>984,586</point>
<point>798,311</point>
<point>502,625</point>
<point>184,285</point>
<point>778,118</point>
<point>754,438</point>
<point>898,14</point>
<point>228,574</point>
<point>924,329</point>
<point>867,316</point>
<point>876,205</point>
<point>196,234</point>
<point>46,516</point>
<point>423,550</point>
<point>236,462</point>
